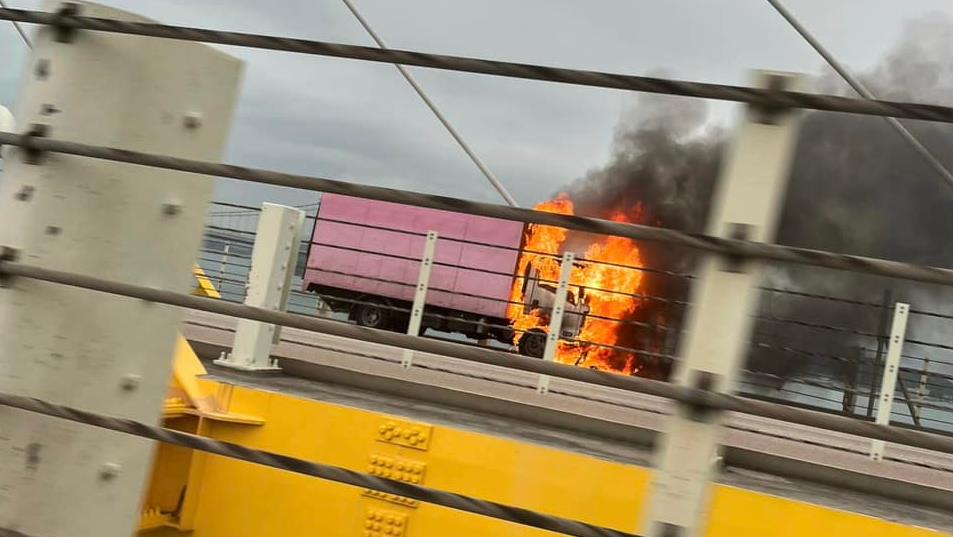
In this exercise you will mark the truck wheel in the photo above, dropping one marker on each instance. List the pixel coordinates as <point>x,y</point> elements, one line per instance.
<point>533,343</point>
<point>373,316</point>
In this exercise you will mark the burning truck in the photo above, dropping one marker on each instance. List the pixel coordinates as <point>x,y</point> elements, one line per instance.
<point>490,279</point>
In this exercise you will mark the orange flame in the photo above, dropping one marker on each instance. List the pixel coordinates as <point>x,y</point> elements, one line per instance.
<point>608,286</point>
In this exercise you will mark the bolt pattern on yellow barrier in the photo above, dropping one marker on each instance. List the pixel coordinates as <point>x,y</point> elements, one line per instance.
<point>384,523</point>
<point>397,469</point>
<point>404,433</point>
<point>562,483</point>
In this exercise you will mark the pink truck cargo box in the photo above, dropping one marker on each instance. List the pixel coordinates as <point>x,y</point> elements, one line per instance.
<point>345,254</point>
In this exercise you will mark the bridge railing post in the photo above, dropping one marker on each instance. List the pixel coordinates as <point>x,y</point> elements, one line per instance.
<point>420,294</point>
<point>719,323</point>
<point>97,352</point>
<point>269,282</point>
<point>888,385</point>
<point>556,318</point>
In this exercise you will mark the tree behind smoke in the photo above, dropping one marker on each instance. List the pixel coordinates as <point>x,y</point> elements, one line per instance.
<point>855,187</point>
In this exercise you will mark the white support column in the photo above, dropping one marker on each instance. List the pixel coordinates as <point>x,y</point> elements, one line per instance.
<point>133,224</point>
<point>556,319</point>
<point>420,294</point>
<point>719,322</point>
<point>888,385</point>
<point>272,266</point>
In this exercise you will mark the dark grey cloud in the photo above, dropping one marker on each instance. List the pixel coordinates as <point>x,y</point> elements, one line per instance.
<point>855,187</point>
<point>360,121</point>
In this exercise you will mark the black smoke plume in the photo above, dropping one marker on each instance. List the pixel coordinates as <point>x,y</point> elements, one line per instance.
<point>855,187</point>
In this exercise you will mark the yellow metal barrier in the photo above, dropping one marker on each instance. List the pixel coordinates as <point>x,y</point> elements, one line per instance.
<point>204,286</point>
<point>217,497</point>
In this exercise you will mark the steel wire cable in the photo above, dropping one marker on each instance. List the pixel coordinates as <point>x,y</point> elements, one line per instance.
<point>379,358</point>
<point>806,381</point>
<point>929,344</point>
<point>645,352</point>
<point>223,266</point>
<point>813,354</point>
<point>584,260</point>
<point>326,472</point>
<point>685,395</point>
<point>835,357</point>
<point>770,99</point>
<point>843,448</point>
<point>221,262</point>
<point>593,261</point>
<point>414,284</point>
<point>783,391</point>
<point>230,229</point>
<point>804,294</point>
<point>576,395</point>
<point>477,161</point>
<point>638,296</point>
<point>735,248</point>
<point>818,326</point>
<point>684,275</point>
<point>630,322</point>
<point>484,297</point>
<point>495,273</point>
<point>242,283</point>
<point>859,361</point>
<point>225,254</point>
<point>743,393</point>
<point>862,90</point>
<point>19,29</point>
<point>811,407</point>
<point>509,248</point>
<point>235,241</point>
<point>248,209</point>
<point>630,350</point>
<point>237,231</point>
<point>585,342</point>
<point>426,313</point>
<point>804,352</point>
<point>408,310</point>
<point>651,326</point>
<point>930,314</point>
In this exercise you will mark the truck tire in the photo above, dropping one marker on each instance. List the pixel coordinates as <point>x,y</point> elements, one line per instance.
<point>533,343</point>
<point>373,315</point>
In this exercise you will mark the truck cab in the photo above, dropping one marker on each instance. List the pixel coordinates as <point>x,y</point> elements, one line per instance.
<point>540,294</point>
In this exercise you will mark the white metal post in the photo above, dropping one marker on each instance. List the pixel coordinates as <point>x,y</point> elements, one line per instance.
<point>719,323</point>
<point>420,294</point>
<point>222,265</point>
<point>133,224</point>
<point>272,266</point>
<point>888,385</point>
<point>556,319</point>
<point>922,389</point>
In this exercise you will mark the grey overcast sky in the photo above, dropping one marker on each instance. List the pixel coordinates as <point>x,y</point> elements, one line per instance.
<point>360,121</point>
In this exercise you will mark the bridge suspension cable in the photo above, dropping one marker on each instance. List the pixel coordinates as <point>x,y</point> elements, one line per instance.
<point>862,90</point>
<point>766,98</point>
<point>697,397</point>
<point>19,29</point>
<point>729,247</point>
<point>336,474</point>
<point>490,176</point>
